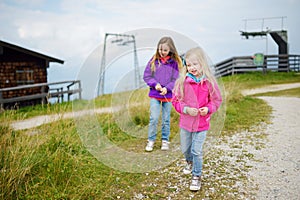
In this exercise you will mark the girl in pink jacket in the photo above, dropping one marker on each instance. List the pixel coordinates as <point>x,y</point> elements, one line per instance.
<point>196,96</point>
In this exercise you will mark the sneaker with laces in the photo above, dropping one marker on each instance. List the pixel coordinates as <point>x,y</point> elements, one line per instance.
<point>188,168</point>
<point>149,146</point>
<point>195,183</point>
<point>165,145</point>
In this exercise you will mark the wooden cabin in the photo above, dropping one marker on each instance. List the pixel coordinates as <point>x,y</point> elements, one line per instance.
<point>20,66</point>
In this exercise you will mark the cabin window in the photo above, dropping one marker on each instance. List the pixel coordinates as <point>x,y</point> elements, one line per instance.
<point>24,76</point>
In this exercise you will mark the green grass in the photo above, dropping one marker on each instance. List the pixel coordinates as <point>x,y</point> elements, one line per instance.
<point>51,161</point>
<point>55,165</point>
<point>242,115</point>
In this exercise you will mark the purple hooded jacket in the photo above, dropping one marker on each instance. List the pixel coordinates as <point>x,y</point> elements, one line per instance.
<point>165,74</point>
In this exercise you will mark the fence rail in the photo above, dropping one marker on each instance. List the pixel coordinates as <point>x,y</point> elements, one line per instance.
<point>48,90</point>
<point>242,64</point>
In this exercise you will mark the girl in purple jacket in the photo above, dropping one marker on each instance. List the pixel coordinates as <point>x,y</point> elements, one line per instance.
<point>196,97</point>
<point>160,75</point>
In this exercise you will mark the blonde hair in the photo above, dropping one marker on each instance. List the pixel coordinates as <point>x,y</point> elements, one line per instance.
<point>201,57</point>
<point>173,53</point>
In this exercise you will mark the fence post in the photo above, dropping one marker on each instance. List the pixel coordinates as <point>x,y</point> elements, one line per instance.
<point>68,92</point>
<point>265,66</point>
<point>288,63</point>
<point>62,95</point>
<point>79,85</point>
<point>42,92</point>
<point>1,97</point>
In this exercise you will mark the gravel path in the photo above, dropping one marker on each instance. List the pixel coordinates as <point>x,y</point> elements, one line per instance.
<point>277,175</point>
<point>45,119</point>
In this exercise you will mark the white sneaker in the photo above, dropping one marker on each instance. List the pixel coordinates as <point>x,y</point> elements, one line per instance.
<point>150,145</point>
<point>164,145</point>
<point>195,184</point>
<point>188,168</point>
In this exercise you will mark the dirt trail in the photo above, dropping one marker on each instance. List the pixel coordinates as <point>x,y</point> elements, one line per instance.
<point>277,175</point>
<point>45,119</point>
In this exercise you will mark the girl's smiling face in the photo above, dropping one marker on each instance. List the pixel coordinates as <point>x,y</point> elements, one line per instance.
<point>163,50</point>
<point>193,66</point>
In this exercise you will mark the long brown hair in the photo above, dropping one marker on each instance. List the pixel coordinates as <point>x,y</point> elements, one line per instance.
<point>173,52</point>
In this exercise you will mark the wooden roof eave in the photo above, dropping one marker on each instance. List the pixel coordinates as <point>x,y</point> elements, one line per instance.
<point>30,52</point>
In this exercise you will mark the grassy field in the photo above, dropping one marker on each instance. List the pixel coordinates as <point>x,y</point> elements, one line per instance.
<point>52,161</point>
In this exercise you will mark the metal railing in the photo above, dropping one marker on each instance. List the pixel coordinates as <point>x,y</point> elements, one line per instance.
<point>242,64</point>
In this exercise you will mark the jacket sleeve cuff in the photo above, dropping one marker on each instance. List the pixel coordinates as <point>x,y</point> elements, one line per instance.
<point>184,109</point>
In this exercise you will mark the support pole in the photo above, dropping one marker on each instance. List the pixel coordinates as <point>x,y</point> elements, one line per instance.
<point>121,42</point>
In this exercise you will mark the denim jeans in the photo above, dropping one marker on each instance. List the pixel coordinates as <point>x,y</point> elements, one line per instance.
<point>191,147</point>
<point>155,107</point>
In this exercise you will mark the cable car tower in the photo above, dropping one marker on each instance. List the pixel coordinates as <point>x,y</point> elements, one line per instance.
<point>121,40</point>
<point>279,36</point>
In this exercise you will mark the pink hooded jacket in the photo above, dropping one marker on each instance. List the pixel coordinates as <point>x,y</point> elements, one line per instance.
<point>197,95</point>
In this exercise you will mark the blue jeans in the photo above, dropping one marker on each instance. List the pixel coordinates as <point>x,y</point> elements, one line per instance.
<point>191,147</point>
<point>155,107</point>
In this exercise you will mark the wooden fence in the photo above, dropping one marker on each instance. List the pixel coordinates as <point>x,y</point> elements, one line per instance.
<point>55,90</point>
<point>242,64</point>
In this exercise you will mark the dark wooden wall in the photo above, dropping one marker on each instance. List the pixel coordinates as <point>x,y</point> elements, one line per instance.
<point>12,61</point>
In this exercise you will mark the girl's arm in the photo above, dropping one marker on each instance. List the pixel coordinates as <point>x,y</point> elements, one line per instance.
<point>182,107</point>
<point>148,76</point>
<point>215,98</point>
<point>178,104</point>
<point>173,78</point>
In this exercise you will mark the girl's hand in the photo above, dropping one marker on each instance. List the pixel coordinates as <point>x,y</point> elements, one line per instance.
<point>203,111</point>
<point>158,87</point>
<point>163,91</point>
<point>192,111</point>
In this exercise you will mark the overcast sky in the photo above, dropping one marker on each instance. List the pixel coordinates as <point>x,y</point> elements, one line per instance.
<point>72,29</point>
